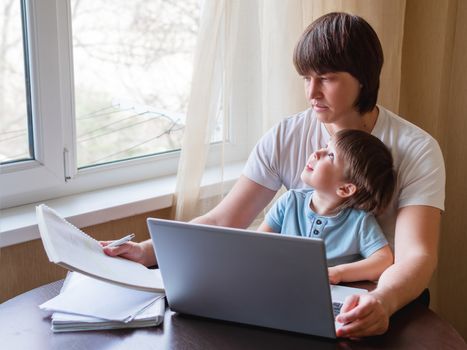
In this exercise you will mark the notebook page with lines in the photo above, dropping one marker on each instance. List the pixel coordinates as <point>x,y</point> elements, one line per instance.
<point>69,247</point>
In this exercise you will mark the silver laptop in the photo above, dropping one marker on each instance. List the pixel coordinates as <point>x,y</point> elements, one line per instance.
<point>267,280</point>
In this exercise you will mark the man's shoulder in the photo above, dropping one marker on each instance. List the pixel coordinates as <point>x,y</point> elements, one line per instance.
<point>402,129</point>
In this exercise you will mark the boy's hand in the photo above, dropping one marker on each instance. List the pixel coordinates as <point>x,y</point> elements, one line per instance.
<point>334,275</point>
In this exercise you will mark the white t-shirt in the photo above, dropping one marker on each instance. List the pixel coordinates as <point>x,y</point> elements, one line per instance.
<point>281,154</point>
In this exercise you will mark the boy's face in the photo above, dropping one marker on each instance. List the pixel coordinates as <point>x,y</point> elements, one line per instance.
<point>324,170</point>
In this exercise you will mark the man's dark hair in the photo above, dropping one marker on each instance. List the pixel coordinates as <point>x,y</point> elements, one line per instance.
<point>369,166</point>
<point>339,42</point>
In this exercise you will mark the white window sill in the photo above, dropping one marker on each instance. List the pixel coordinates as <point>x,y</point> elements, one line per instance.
<point>18,224</point>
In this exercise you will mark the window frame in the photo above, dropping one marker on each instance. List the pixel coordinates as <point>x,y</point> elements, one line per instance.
<point>54,173</point>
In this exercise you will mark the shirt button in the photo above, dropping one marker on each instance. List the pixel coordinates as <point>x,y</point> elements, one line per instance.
<point>315,232</point>
<point>318,222</point>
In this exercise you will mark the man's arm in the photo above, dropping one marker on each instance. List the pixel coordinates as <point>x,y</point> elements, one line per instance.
<point>416,257</point>
<point>238,209</point>
<point>241,205</point>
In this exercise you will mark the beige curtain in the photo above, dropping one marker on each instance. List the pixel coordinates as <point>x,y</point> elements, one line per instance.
<point>282,93</point>
<point>387,18</point>
<point>433,96</point>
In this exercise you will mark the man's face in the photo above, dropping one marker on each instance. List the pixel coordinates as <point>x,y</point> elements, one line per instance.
<point>332,96</point>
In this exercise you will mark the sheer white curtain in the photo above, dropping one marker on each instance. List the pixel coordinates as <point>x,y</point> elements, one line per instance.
<point>210,85</point>
<point>252,41</point>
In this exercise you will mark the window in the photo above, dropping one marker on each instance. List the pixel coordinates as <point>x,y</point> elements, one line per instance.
<point>99,91</point>
<point>132,74</point>
<point>16,127</point>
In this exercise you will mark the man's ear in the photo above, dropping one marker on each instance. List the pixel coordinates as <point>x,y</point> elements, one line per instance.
<point>346,190</point>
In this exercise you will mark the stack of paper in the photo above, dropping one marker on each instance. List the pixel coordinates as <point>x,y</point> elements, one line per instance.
<point>104,292</point>
<point>85,303</point>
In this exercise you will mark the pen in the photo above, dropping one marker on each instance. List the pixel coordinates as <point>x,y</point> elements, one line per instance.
<point>121,240</point>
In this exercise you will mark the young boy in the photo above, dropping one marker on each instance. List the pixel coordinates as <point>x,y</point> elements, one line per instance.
<point>352,180</point>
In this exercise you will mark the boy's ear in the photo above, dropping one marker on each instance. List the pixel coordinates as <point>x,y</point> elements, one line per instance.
<point>346,190</point>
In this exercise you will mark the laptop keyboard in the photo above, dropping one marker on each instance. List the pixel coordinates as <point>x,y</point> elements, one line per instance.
<point>336,308</point>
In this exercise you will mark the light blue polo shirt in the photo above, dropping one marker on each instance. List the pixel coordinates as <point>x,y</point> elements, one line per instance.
<point>349,236</point>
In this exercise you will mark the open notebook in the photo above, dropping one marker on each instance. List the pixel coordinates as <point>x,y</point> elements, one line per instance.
<point>73,249</point>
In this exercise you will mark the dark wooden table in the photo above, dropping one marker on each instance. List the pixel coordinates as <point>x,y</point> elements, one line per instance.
<point>24,326</point>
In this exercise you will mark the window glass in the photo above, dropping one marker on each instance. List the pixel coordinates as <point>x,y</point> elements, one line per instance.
<point>132,74</point>
<point>15,126</point>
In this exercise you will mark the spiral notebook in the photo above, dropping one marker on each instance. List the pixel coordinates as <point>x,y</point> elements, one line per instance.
<point>73,249</point>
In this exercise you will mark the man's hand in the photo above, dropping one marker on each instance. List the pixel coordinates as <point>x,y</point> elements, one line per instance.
<point>362,315</point>
<point>415,247</point>
<point>130,250</point>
